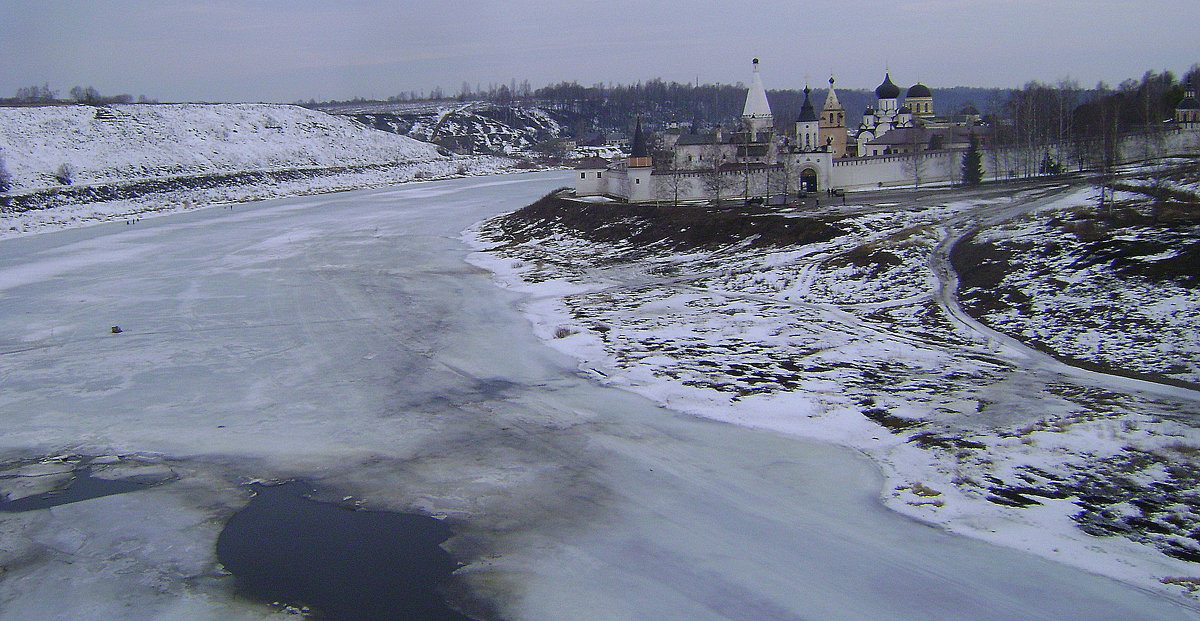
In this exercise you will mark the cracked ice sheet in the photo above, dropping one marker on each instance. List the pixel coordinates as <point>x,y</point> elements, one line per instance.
<point>374,361</point>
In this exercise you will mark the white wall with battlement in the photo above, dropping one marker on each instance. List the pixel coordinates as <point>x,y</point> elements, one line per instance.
<point>863,173</point>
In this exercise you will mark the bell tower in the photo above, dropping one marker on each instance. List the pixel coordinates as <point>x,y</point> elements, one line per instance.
<point>832,125</point>
<point>808,131</point>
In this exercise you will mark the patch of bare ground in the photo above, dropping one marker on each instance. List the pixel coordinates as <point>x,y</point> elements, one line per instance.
<point>675,228</point>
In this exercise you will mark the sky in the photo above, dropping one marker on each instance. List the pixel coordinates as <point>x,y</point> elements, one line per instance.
<point>291,50</point>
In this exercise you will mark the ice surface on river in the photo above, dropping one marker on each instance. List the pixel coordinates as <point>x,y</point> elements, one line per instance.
<point>345,340</point>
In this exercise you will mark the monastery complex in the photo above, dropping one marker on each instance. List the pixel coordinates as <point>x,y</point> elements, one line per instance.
<point>899,142</point>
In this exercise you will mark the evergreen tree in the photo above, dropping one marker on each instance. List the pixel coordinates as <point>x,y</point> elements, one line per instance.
<point>972,163</point>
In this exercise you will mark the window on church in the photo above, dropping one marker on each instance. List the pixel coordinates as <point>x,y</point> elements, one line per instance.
<point>583,175</point>
<point>597,175</point>
<point>637,180</point>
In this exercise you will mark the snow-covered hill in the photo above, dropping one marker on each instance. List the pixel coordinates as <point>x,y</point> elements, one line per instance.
<point>473,127</point>
<point>122,143</point>
<point>72,165</point>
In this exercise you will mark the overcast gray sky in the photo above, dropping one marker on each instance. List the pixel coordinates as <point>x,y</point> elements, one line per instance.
<point>287,50</point>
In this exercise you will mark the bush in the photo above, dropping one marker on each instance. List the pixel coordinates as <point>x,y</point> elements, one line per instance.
<point>64,174</point>
<point>5,177</point>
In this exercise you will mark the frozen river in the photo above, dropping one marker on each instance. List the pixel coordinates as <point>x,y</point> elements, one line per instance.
<point>343,339</point>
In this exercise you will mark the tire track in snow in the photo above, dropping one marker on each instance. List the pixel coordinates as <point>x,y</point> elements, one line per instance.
<point>965,226</point>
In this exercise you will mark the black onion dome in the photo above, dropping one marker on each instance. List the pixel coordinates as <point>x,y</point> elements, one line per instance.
<point>869,111</point>
<point>887,90</point>
<point>905,110</point>
<point>807,113</point>
<point>919,90</point>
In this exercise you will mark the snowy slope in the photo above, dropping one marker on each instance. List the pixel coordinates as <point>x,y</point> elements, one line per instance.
<point>120,143</point>
<point>139,160</point>
<point>476,127</point>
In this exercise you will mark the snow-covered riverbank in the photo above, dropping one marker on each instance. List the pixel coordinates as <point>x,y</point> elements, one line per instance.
<point>845,341</point>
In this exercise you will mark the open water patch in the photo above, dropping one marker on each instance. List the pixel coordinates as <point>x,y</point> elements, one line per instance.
<point>337,561</point>
<point>75,479</point>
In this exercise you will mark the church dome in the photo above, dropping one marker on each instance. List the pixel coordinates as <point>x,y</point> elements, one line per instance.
<point>969,110</point>
<point>869,111</point>
<point>887,90</point>
<point>1188,103</point>
<point>905,110</point>
<point>919,90</point>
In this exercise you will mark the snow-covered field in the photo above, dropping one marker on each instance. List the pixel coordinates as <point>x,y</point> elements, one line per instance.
<point>126,161</point>
<point>860,341</point>
<point>344,339</point>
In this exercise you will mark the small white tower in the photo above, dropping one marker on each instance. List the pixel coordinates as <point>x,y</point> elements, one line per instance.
<point>808,129</point>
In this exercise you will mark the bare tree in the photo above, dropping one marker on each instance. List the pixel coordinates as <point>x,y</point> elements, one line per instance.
<point>85,95</point>
<point>776,182</point>
<point>36,94</point>
<point>1159,188</point>
<point>789,173</point>
<point>914,163</point>
<point>718,183</point>
<point>913,166</point>
<point>671,186</point>
<point>715,180</point>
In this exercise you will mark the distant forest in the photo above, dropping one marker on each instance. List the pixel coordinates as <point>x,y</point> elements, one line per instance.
<point>1065,105</point>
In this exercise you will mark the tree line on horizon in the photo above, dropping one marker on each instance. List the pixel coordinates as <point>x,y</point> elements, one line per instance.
<point>44,95</point>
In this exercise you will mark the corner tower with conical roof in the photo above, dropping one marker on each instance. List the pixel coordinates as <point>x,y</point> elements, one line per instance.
<point>638,184</point>
<point>639,153</point>
<point>756,114</point>
<point>832,129</point>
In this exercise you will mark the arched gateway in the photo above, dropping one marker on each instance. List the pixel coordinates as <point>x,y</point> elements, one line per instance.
<point>808,180</point>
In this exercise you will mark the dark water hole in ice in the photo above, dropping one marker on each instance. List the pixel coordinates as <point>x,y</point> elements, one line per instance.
<point>83,487</point>
<point>340,562</point>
